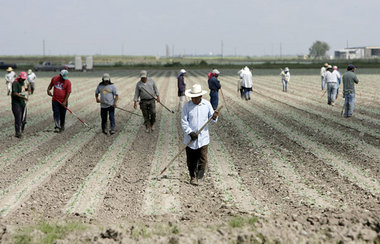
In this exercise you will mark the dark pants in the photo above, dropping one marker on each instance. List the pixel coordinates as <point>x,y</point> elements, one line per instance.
<point>59,114</point>
<point>197,158</point>
<point>148,108</point>
<point>104,112</point>
<point>20,121</point>
<point>214,99</point>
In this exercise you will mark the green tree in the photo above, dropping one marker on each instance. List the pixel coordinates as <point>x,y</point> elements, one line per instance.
<point>318,49</point>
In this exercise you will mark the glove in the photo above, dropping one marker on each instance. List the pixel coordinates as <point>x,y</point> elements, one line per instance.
<point>193,136</point>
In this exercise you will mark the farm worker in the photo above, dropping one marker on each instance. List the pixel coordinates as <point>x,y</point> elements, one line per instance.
<point>30,81</point>
<point>339,80</point>
<point>61,93</point>
<point>246,82</point>
<point>195,114</point>
<point>108,100</point>
<point>285,78</point>
<point>323,72</point>
<point>214,86</point>
<point>18,103</point>
<point>349,80</point>
<point>181,88</point>
<point>240,87</point>
<point>331,79</point>
<point>147,102</point>
<point>9,78</point>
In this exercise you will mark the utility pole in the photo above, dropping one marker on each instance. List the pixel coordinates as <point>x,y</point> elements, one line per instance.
<point>43,48</point>
<point>280,50</point>
<point>172,50</point>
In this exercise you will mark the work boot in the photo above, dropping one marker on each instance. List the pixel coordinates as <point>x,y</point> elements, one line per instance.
<point>112,132</point>
<point>18,135</point>
<point>104,132</point>
<point>148,127</point>
<point>194,181</point>
<point>332,104</point>
<point>56,129</point>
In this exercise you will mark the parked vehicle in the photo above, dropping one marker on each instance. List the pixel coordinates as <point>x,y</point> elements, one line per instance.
<point>47,66</point>
<point>6,66</point>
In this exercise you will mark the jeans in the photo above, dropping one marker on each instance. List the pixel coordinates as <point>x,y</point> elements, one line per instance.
<point>349,101</point>
<point>148,109</point>
<point>197,161</point>
<point>20,121</point>
<point>103,113</point>
<point>331,92</point>
<point>284,85</point>
<point>247,93</point>
<point>322,83</point>
<point>59,115</point>
<point>214,99</point>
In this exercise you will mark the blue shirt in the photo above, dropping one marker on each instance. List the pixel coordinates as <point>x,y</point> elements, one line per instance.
<point>214,84</point>
<point>193,118</point>
<point>107,94</point>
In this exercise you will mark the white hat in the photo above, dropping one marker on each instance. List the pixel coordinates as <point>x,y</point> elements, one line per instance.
<point>106,76</point>
<point>182,71</point>
<point>335,67</point>
<point>215,71</point>
<point>329,66</point>
<point>286,69</point>
<point>195,91</point>
<point>143,74</point>
<point>29,71</point>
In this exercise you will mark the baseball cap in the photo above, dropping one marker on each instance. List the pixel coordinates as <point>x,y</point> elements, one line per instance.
<point>106,76</point>
<point>350,67</point>
<point>143,74</point>
<point>64,74</point>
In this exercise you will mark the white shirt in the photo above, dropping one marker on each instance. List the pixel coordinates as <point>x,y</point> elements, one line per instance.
<point>246,77</point>
<point>323,71</point>
<point>10,77</point>
<point>331,77</point>
<point>30,78</point>
<point>193,118</point>
<point>285,76</point>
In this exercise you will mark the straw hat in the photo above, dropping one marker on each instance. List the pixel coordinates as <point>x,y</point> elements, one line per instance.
<point>195,91</point>
<point>9,69</point>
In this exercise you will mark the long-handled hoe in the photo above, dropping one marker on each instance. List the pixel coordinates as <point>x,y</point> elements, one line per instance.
<point>123,110</point>
<point>221,91</point>
<point>172,111</point>
<point>198,132</point>
<point>84,123</point>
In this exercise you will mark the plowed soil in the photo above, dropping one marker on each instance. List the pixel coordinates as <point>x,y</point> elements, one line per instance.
<point>283,167</point>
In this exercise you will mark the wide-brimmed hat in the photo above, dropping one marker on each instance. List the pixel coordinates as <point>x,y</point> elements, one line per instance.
<point>143,74</point>
<point>182,71</point>
<point>22,75</point>
<point>286,69</point>
<point>215,71</point>
<point>326,64</point>
<point>329,66</point>
<point>195,91</point>
<point>9,69</point>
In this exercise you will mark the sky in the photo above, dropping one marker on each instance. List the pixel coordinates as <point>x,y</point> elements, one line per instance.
<point>188,27</point>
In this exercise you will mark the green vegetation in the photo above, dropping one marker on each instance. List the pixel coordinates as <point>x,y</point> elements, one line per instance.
<point>202,62</point>
<point>240,221</point>
<point>45,232</point>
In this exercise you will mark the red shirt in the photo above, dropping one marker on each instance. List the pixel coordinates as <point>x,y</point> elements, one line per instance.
<point>61,88</point>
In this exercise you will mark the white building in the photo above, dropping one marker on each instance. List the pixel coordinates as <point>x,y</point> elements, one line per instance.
<point>357,52</point>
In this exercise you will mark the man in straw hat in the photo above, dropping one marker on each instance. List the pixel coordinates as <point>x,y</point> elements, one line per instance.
<point>195,114</point>
<point>9,78</point>
<point>145,88</point>
<point>108,100</point>
<point>323,72</point>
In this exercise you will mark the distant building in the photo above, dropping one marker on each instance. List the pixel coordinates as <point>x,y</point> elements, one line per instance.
<point>357,52</point>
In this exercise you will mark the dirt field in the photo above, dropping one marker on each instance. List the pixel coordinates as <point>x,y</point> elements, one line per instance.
<point>282,166</point>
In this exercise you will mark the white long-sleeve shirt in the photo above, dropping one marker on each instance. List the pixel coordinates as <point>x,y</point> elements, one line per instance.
<point>31,78</point>
<point>193,118</point>
<point>10,77</point>
<point>285,76</point>
<point>246,77</point>
<point>331,77</point>
<point>323,71</point>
